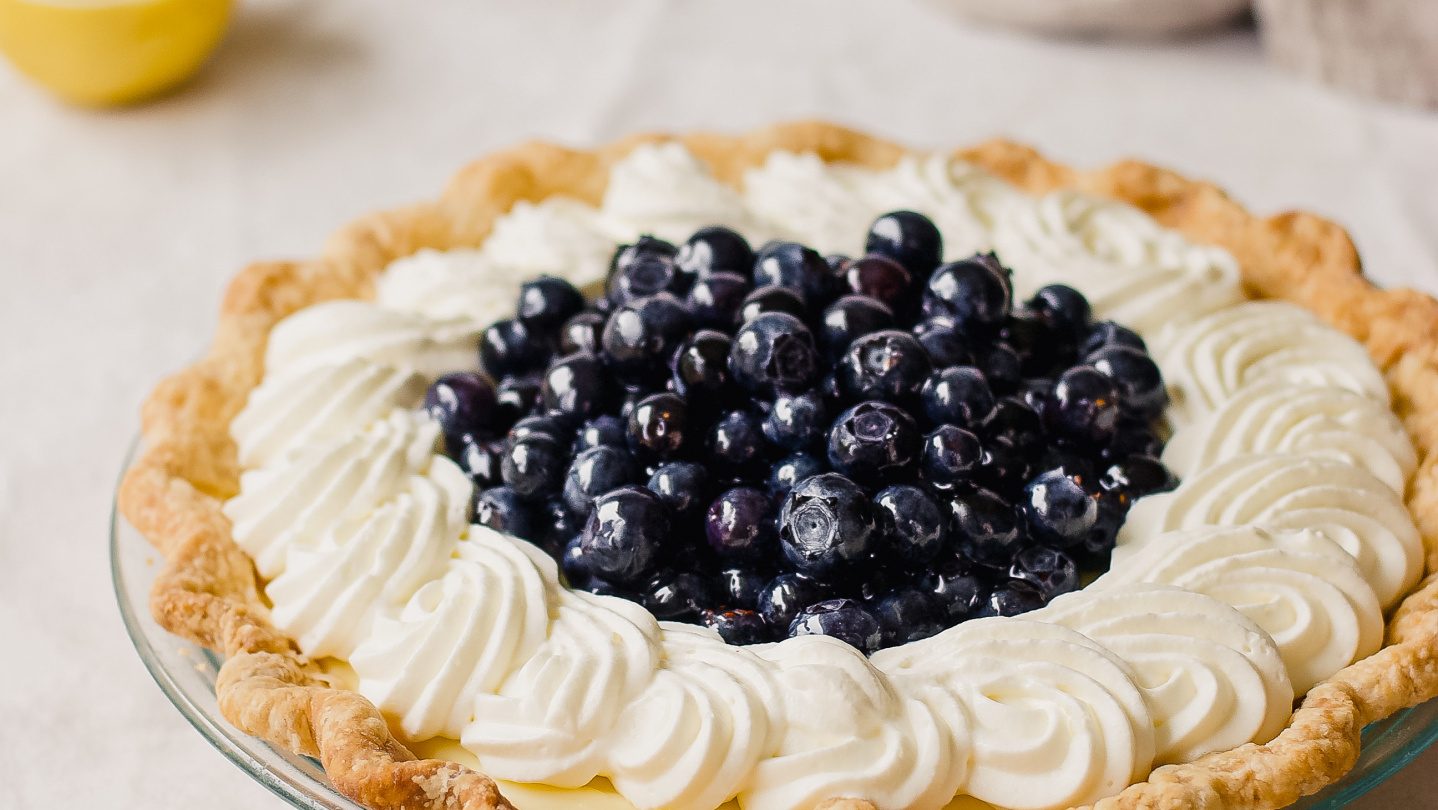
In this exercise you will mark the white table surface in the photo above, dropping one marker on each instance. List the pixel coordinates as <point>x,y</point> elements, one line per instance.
<point>119,229</point>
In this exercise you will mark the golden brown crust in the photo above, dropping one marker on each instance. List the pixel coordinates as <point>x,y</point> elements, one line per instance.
<point>209,593</point>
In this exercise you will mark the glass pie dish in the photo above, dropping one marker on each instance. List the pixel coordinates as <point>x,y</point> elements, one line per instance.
<point>186,674</point>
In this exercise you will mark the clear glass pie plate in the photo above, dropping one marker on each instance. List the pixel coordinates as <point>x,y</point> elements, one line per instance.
<point>186,674</point>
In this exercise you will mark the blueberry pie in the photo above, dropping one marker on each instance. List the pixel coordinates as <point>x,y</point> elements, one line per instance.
<point>797,469</point>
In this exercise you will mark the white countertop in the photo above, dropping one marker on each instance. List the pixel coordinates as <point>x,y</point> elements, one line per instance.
<point>119,230</point>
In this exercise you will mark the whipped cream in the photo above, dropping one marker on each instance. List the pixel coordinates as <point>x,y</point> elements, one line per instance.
<point>1263,573</point>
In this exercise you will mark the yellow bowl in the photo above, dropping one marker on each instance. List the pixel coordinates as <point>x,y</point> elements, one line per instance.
<point>108,52</point>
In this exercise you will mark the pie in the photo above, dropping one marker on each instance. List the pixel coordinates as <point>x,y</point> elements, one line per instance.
<point>317,533</point>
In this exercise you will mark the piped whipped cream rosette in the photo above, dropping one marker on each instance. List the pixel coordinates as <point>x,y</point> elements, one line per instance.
<point>1263,573</point>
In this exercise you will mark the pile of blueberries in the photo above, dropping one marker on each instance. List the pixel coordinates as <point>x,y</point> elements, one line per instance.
<point>776,443</point>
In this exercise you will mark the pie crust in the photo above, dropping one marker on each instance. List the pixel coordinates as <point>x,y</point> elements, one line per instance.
<point>209,593</point>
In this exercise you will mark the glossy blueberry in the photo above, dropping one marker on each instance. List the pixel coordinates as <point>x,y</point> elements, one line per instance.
<point>741,586</point>
<point>1140,384</point>
<point>659,426</point>
<point>791,265</point>
<point>1084,407</point>
<point>502,509</point>
<point>797,421</point>
<point>715,300</point>
<point>956,591</point>
<point>683,486</point>
<point>1049,570</point>
<point>1005,468</point>
<point>546,302</point>
<point>595,472</point>
<point>888,364</point>
<point>740,524</point>
<point>951,456</point>
<point>478,458</point>
<point>550,425</point>
<point>601,431</point>
<point>905,615</point>
<point>641,336</point>
<point>909,238</point>
<point>581,333</point>
<point>1035,392</point>
<point>976,293</point>
<point>462,402</point>
<point>715,250</point>
<point>785,595</point>
<point>1057,509</point>
<point>510,347</point>
<point>1099,543</point>
<point>774,353</point>
<point>826,524</point>
<point>737,626</point>
<point>642,269</point>
<point>843,619</point>
<point>1106,334</point>
<point>848,319</point>
<point>881,279</point>
<point>534,465</point>
<point>736,442</point>
<point>913,524</point>
<point>1002,367</point>
<point>514,398</point>
<point>1013,419</point>
<point>677,596</point>
<point>1040,348</point>
<point>571,562</point>
<point>946,347</point>
<point>985,527</point>
<point>556,526</point>
<point>701,367</point>
<point>1013,598</point>
<point>958,395</point>
<point>1065,309</point>
<point>874,440</point>
<point>1135,477</point>
<point>791,469</point>
<point>577,386</point>
<point>772,298</point>
<point>624,534</point>
<point>1134,438</point>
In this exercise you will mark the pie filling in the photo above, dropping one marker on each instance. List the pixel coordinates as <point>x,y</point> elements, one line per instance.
<point>819,460</point>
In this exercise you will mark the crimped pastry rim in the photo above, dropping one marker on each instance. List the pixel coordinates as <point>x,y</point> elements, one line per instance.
<point>208,591</point>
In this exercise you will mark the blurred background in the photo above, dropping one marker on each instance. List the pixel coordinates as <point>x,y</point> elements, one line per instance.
<point>120,225</point>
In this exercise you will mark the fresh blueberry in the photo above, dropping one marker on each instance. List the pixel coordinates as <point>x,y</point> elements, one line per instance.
<point>645,246</point>
<point>1058,510</point>
<point>1084,407</point>
<point>577,386</point>
<point>1013,419</point>
<point>601,431</point>
<point>502,509</point>
<point>843,619</point>
<point>1036,392</point>
<point>551,425</point>
<point>888,364</point>
<point>478,458</point>
<point>736,443</point>
<point>797,421</point>
<point>826,524</point>
<point>595,472</point>
<point>1049,570</point>
<point>785,595</point>
<point>556,526</point>
<point>946,347</point>
<point>791,265</point>
<point>1002,367</point>
<point>1011,599</point>
<point>772,354</point>
<point>905,615</point>
<point>1134,438</point>
<point>792,469</point>
<point>624,533</point>
<point>909,238</point>
<point>912,522</point>
<point>958,395</point>
<point>1005,468</point>
<point>976,293</point>
<point>873,441</point>
<point>682,485</point>
<point>1106,334</point>
<point>772,298</point>
<point>848,319</point>
<point>881,279</point>
<point>582,333</point>
<point>1040,348</point>
<point>741,586</point>
<point>715,250</point>
<point>462,403</point>
<point>951,456</point>
<point>534,465</point>
<point>641,336</point>
<point>1099,543</point>
<point>1065,309</point>
<point>986,527</point>
<point>737,626</point>
<point>1140,384</point>
<point>1136,477</point>
<point>546,302</point>
<point>956,591</point>
<point>643,269</point>
<point>515,397</point>
<point>740,524</point>
<point>715,300</point>
<point>509,347</point>
<point>571,562</point>
<point>701,367</point>
<point>659,426</point>
<point>677,596</point>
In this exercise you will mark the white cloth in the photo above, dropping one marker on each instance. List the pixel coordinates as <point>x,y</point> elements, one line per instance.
<point>119,229</point>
